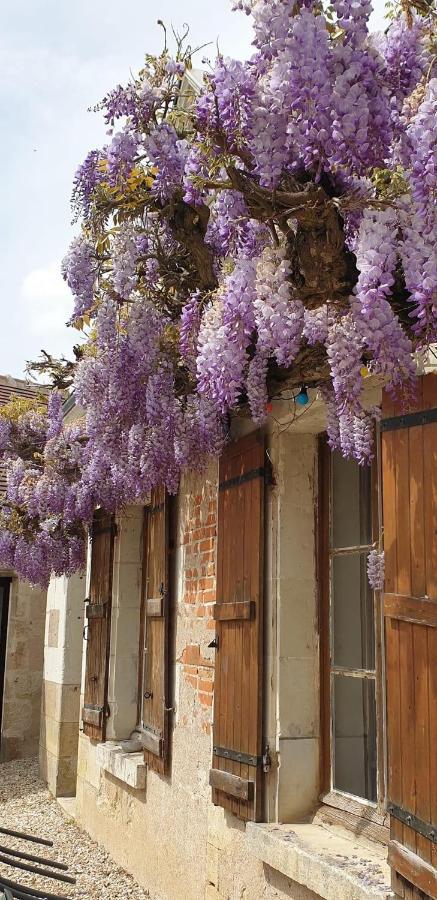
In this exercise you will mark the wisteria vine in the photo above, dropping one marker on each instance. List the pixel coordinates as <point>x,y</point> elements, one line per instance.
<point>273,224</point>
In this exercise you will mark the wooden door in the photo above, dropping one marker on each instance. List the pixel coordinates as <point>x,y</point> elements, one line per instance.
<point>409,470</point>
<point>237,770</point>
<point>155,687</point>
<point>98,627</point>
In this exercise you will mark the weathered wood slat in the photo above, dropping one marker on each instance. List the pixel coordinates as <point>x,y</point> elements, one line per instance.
<point>355,807</point>
<point>413,868</point>
<point>92,716</point>
<point>96,611</point>
<point>244,609</point>
<point>232,785</point>
<point>356,824</point>
<point>152,743</point>
<point>155,607</point>
<point>411,609</point>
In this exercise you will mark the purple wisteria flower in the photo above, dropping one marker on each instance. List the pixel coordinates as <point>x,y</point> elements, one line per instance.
<point>79,268</point>
<point>376,569</point>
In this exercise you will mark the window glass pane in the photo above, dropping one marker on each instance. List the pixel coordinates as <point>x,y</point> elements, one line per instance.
<point>354,730</point>
<point>352,613</point>
<point>351,503</point>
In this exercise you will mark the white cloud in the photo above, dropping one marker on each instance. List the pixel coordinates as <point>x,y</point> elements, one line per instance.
<point>47,300</point>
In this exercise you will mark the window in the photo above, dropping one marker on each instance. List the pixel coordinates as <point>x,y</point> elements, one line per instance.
<point>350,631</point>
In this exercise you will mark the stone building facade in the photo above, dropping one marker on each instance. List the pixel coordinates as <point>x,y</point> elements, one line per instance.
<point>163,826</point>
<point>22,622</point>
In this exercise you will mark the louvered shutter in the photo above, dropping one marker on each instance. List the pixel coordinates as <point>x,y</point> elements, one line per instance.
<point>98,626</point>
<point>409,470</point>
<point>155,700</point>
<point>237,771</point>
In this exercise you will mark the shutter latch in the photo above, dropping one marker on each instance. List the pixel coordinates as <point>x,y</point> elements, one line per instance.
<point>267,760</point>
<point>214,643</point>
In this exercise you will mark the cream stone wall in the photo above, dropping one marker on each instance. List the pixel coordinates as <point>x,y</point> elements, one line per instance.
<point>160,833</point>
<point>165,830</point>
<point>60,710</point>
<point>23,671</point>
<point>169,835</point>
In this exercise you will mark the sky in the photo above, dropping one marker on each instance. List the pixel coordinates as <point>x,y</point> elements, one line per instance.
<point>57,59</point>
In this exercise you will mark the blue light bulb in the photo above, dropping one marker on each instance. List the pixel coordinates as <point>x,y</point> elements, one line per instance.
<point>302,397</point>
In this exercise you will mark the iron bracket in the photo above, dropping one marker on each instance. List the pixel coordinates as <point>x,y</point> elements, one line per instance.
<point>427,829</point>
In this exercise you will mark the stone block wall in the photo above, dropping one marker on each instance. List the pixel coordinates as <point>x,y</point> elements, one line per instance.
<point>23,672</point>
<point>169,835</point>
<point>60,709</point>
<point>160,833</point>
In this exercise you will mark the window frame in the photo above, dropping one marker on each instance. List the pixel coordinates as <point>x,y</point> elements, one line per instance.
<point>329,795</point>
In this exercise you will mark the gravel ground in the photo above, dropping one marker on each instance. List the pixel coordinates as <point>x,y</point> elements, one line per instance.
<point>26,805</point>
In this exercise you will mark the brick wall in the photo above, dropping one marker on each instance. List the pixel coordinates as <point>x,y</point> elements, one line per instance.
<point>198,538</point>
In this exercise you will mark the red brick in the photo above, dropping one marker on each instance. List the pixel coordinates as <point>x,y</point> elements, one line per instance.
<point>190,670</point>
<point>206,685</point>
<point>207,544</point>
<point>205,699</point>
<point>191,654</point>
<point>206,664</point>
<point>209,596</point>
<point>208,556</point>
<point>191,679</point>
<point>206,584</point>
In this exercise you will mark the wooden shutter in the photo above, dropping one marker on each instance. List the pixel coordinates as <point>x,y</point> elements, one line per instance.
<point>98,626</point>
<point>237,769</point>
<point>409,469</point>
<point>155,700</point>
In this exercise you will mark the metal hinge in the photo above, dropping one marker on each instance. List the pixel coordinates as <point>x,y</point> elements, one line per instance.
<point>427,829</point>
<point>267,760</point>
<point>269,478</point>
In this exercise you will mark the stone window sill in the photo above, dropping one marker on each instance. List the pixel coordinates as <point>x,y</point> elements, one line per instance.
<point>129,768</point>
<point>323,858</point>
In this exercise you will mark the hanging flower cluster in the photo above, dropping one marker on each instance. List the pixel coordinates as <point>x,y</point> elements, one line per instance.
<point>42,515</point>
<point>375,569</point>
<point>283,220</point>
